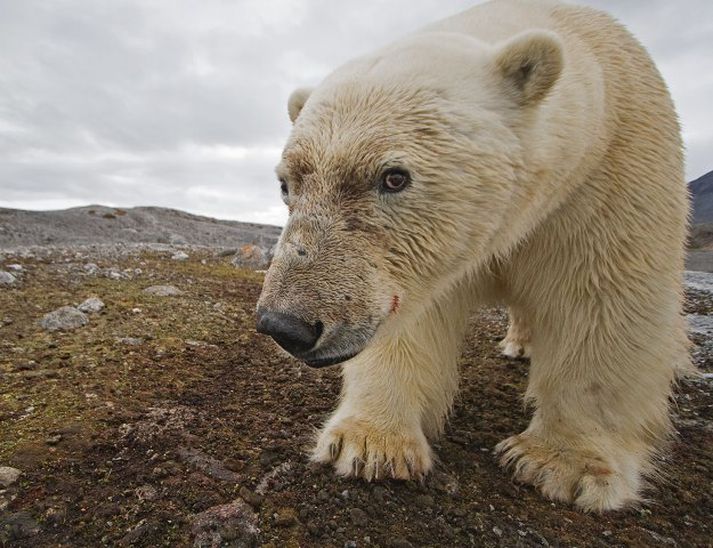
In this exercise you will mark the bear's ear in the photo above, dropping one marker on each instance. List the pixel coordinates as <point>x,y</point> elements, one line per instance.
<point>296,101</point>
<point>530,64</point>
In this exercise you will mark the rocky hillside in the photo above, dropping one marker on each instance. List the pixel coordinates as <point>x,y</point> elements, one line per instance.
<point>105,225</point>
<point>702,196</point>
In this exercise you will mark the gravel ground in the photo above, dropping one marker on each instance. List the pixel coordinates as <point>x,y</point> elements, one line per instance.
<point>165,420</point>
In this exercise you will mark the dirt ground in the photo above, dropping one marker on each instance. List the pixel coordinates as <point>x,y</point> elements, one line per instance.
<point>167,421</point>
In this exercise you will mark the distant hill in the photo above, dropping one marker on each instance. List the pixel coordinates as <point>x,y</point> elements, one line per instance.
<point>702,196</point>
<point>106,225</point>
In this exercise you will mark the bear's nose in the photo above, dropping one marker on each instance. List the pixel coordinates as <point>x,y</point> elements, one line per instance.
<point>290,332</point>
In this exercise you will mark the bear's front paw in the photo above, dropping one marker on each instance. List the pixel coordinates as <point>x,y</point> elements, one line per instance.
<point>590,481</point>
<point>357,448</point>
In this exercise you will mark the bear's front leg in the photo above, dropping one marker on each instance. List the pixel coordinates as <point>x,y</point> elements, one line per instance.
<point>396,395</point>
<point>369,447</point>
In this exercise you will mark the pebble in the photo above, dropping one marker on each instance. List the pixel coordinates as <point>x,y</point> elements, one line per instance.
<point>379,494</point>
<point>234,523</point>
<point>26,366</point>
<point>251,257</point>
<point>64,318</point>
<point>163,290</point>
<point>498,532</point>
<point>146,492</point>
<point>15,267</point>
<point>6,278</point>
<point>91,305</point>
<point>424,500</point>
<point>91,268</point>
<point>54,440</point>
<point>285,517</point>
<point>114,274</point>
<point>130,341</point>
<point>8,475</point>
<point>359,517</point>
<point>17,526</point>
<point>253,499</point>
<point>179,256</point>
<point>401,542</point>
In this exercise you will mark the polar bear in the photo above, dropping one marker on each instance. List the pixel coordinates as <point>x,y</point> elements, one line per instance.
<point>521,152</point>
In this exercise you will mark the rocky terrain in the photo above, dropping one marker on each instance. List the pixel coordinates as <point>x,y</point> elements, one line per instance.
<point>97,225</point>
<point>138,407</point>
<point>702,197</point>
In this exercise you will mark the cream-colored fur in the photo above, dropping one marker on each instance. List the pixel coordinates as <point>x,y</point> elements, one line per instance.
<point>517,342</point>
<point>547,174</point>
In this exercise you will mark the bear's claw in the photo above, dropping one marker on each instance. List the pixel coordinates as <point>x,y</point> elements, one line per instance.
<point>568,475</point>
<point>356,449</point>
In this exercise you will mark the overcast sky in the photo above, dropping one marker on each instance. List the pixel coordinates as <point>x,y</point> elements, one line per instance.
<point>183,104</point>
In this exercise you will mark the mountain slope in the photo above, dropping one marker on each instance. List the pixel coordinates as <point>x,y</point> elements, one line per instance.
<point>104,225</point>
<point>702,197</point>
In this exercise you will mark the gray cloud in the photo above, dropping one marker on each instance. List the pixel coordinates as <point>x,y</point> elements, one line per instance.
<point>183,105</point>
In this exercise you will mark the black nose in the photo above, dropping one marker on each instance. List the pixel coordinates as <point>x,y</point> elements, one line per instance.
<point>290,332</point>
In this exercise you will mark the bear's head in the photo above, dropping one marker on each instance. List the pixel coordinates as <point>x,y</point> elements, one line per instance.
<point>397,175</point>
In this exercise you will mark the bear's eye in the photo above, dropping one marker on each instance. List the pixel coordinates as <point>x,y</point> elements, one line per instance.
<point>283,187</point>
<point>395,180</point>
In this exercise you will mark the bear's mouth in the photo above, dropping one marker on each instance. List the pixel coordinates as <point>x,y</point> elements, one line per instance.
<point>339,346</point>
<point>318,363</point>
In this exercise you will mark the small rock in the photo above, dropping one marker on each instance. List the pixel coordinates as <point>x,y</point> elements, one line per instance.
<point>251,257</point>
<point>401,542</point>
<point>350,544</point>
<point>26,366</point>
<point>131,341</point>
<point>234,523</point>
<point>8,475</point>
<point>39,374</point>
<point>359,517</point>
<point>253,499</point>
<point>179,256</point>
<point>163,290</point>
<point>54,439</point>
<point>91,305</point>
<point>424,500</point>
<point>208,465</point>
<point>6,278</point>
<point>498,532</point>
<point>313,528</point>
<point>285,517</point>
<point>114,274</point>
<point>146,492</point>
<point>90,268</point>
<point>15,267</point>
<point>17,526</point>
<point>379,494</point>
<point>64,318</point>
<point>140,530</point>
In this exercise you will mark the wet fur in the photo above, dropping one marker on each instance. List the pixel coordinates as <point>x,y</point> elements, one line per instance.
<point>561,196</point>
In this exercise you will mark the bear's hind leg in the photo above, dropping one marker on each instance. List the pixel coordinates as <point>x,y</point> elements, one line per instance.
<point>517,343</point>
